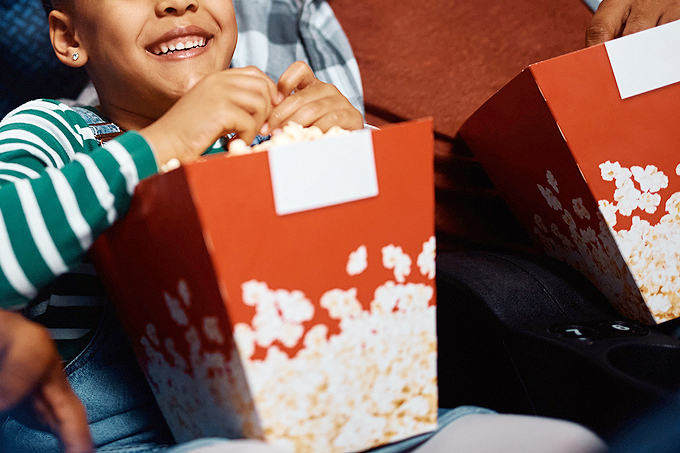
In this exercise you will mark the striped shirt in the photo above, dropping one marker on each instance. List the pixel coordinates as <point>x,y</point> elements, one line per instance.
<point>59,190</point>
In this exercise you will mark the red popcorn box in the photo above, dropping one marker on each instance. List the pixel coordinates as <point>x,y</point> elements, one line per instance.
<point>287,295</point>
<point>582,146</point>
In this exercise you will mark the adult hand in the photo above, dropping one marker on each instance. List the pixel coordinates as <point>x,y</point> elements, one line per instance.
<point>31,375</point>
<point>615,18</point>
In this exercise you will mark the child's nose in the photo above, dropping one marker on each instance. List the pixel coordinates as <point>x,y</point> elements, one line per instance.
<point>175,7</point>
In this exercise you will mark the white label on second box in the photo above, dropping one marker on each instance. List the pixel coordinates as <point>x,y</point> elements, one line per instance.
<point>646,60</point>
<point>322,173</point>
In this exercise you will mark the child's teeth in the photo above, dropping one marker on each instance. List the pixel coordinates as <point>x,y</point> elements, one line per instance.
<point>166,48</point>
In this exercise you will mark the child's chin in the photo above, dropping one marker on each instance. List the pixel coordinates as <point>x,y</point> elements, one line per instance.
<point>181,87</point>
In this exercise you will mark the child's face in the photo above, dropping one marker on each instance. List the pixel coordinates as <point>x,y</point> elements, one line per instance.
<point>128,46</point>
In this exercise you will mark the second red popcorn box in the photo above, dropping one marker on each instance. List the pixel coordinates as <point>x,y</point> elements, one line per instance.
<point>287,295</point>
<point>584,149</point>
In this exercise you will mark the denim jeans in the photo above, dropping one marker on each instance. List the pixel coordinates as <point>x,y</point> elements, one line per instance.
<point>122,413</point>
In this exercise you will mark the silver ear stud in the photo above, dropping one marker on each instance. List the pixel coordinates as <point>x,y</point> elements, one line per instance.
<point>75,56</point>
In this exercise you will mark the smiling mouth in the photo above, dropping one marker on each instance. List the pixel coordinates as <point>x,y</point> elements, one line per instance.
<point>176,45</point>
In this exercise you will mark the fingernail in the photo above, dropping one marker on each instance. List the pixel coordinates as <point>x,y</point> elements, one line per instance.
<point>264,129</point>
<point>281,97</point>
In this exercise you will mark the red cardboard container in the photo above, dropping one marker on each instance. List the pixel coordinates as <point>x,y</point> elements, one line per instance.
<point>315,330</point>
<point>591,176</point>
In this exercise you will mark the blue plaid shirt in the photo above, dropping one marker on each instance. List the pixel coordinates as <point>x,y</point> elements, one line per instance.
<point>275,33</point>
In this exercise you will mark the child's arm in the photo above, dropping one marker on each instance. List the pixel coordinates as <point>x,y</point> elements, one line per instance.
<point>59,190</point>
<point>310,102</point>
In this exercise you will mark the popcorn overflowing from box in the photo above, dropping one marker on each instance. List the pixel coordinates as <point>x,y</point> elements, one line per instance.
<point>292,132</point>
<point>315,330</point>
<point>289,134</point>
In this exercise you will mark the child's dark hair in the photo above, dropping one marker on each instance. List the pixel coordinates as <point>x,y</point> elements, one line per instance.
<point>49,5</point>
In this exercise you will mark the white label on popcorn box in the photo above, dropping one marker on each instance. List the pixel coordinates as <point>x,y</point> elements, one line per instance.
<point>322,173</point>
<point>647,60</point>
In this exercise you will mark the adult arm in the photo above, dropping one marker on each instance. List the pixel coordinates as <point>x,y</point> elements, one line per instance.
<point>615,18</point>
<point>31,373</point>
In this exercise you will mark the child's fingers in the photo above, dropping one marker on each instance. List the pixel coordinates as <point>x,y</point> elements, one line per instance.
<point>251,102</point>
<point>307,115</point>
<point>248,95</point>
<point>251,97</point>
<point>235,100</point>
<point>273,93</point>
<point>305,106</point>
<point>336,118</point>
<point>255,86</point>
<point>245,125</point>
<point>298,76</point>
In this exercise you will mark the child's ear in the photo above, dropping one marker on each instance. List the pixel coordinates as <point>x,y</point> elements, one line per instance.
<point>64,41</point>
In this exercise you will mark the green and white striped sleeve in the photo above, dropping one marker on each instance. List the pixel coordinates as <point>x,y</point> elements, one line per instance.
<point>59,190</point>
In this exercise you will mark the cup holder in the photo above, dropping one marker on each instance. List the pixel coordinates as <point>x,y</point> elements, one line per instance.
<point>657,365</point>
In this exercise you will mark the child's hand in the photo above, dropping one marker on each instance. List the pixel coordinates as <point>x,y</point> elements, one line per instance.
<point>234,100</point>
<point>310,102</point>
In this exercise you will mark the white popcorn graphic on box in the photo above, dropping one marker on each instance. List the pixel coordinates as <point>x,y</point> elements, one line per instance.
<point>426,258</point>
<point>303,385</point>
<point>552,181</point>
<point>357,261</point>
<point>395,258</point>
<point>625,259</point>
